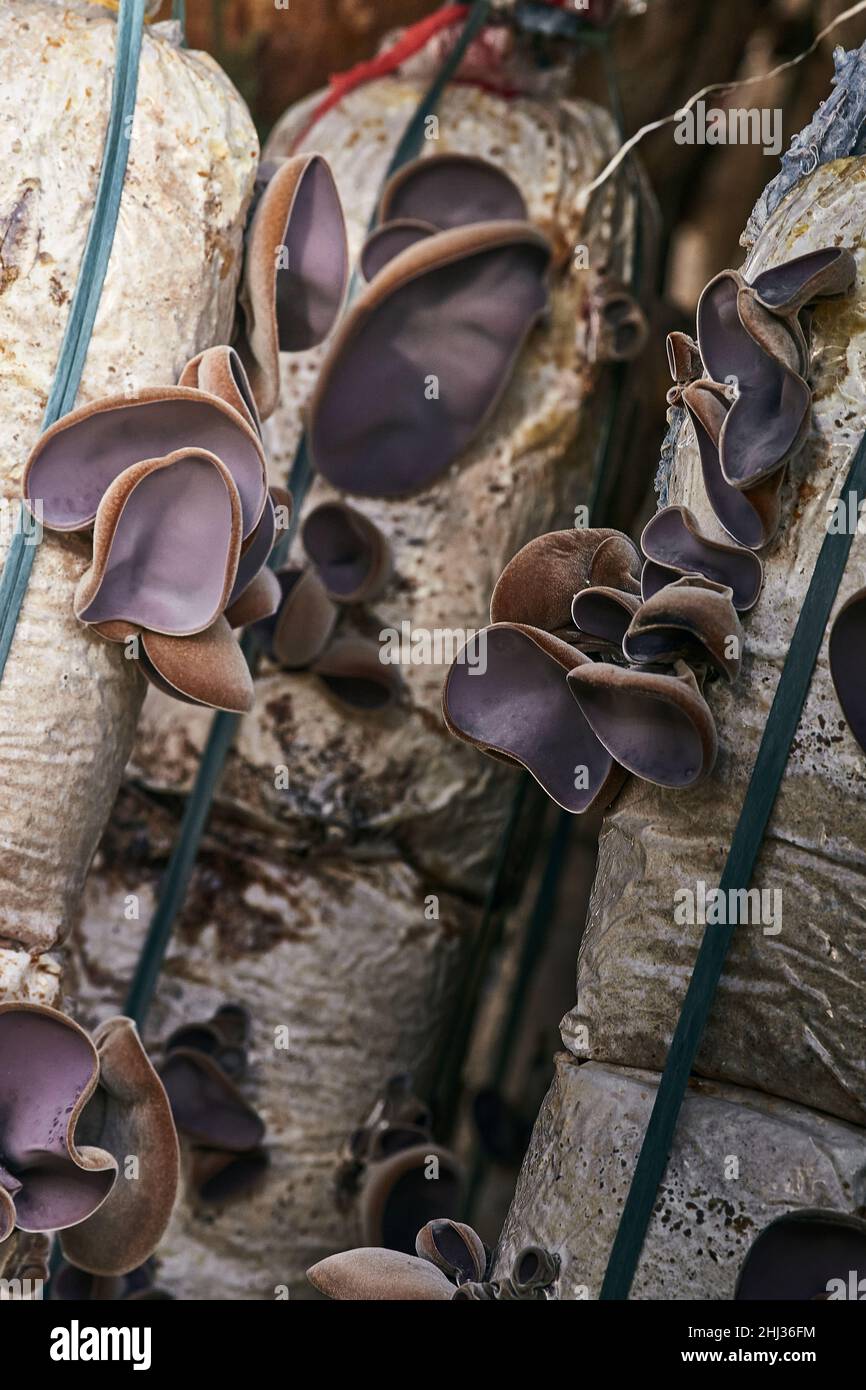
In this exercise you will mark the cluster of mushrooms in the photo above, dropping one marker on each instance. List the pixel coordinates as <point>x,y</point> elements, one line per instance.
<point>456,277</point>
<point>348,565</point>
<point>800,1257</point>
<point>451,1263</point>
<point>76,1112</point>
<point>394,1175</point>
<point>171,482</point>
<point>203,1067</point>
<point>597,656</point>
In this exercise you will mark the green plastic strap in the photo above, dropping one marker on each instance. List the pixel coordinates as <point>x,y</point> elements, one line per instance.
<point>175,882</point>
<point>82,314</point>
<point>760,797</point>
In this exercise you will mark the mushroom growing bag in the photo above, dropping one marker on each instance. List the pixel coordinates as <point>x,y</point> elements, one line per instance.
<point>68,701</point>
<point>776,1121</point>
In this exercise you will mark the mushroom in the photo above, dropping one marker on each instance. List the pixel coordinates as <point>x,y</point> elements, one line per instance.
<point>693,620</point>
<point>452,190</point>
<point>203,1063</point>
<point>803,1256</point>
<point>220,372</point>
<point>518,708</point>
<point>674,546</point>
<point>350,564</point>
<point>173,483</point>
<point>424,356</point>
<point>295,270</point>
<point>847,637</point>
<point>128,1115</point>
<point>655,723</point>
<point>351,556</point>
<point>769,417</point>
<point>388,241</point>
<point>618,325</point>
<point>454,1248</point>
<point>381,1276</point>
<point>750,516</point>
<point>537,587</point>
<point>49,1069</point>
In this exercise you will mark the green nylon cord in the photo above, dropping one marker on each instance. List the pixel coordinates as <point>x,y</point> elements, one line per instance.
<point>82,314</point>
<point>175,882</point>
<point>760,797</point>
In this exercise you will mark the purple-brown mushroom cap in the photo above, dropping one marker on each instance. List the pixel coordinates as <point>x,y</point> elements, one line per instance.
<point>424,356</point>
<point>295,271</point>
<point>452,190</point>
<point>128,1115</point>
<point>654,723</point>
<point>674,546</point>
<point>351,555</point>
<point>847,652</point>
<point>48,1071</point>
<point>805,1256</point>
<point>519,709</point>
<point>166,546</point>
<point>376,1275</point>
<point>75,461</point>
<point>389,241</point>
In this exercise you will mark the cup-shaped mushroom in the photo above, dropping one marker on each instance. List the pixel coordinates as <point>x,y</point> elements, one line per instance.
<point>452,190</point>
<point>601,618</point>
<point>616,565</point>
<point>166,546</point>
<point>221,1037</point>
<point>782,338</point>
<point>304,623</point>
<point>654,723</point>
<point>400,1194</point>
<point>376,1275</point>
<point>208,1108</point>
<point>75,461</point>
<point>389,240</point>
<point>351,556</point>
<point>207,669</point>
<point>824,274</point>
<point>692,620</point>
<point>257,594</point>
<point>848,663</point>
<point>674,545</point>
<point>535,1269</point>
<point>424,357</point>
<point>217,1176</point>
<point>619,326</point>
<point>538,585</point>
<point>454,1248</point>
<point>750,516</point>
<point>517,706</point>
<point>295,271</point>
<point>353,672</point>
<point>220,372</point>
<point>129,1116</point>
<point>684,358</point>
<point>805,1256</point>
<point>769,417</point>
<point>49,1069</point>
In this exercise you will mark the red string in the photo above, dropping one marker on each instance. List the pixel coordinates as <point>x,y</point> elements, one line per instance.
<point>411,41</point>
